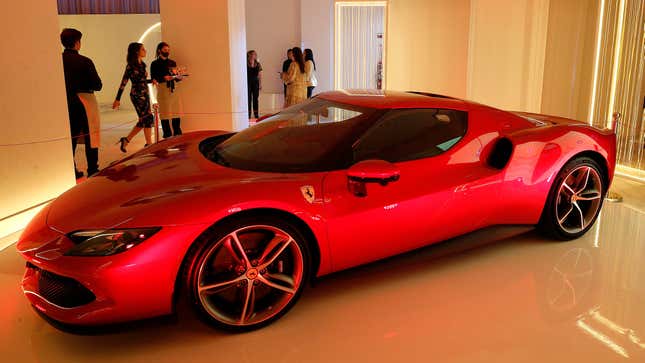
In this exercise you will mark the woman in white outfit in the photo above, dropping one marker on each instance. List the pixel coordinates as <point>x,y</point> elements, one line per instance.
<point>310,70</point>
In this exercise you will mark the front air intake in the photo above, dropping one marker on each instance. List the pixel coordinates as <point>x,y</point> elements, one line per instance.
<point>62,291</point>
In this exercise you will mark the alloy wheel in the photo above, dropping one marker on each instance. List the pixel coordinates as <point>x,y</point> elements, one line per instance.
<point>579,199</point>
<point>570,280</point>
<point>250,275</point>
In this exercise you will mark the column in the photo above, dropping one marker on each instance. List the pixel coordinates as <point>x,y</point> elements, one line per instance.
<point>36,162</point>
<point>209,38</point>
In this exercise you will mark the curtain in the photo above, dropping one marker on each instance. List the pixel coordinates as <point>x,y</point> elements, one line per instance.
<point>620,72</point>
<point>71,7</point>
<point>359,45</point>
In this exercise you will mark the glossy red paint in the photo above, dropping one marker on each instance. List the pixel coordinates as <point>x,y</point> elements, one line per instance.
<point>172,186</point>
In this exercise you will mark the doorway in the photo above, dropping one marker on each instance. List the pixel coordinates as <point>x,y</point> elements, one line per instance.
<point>359,44</point>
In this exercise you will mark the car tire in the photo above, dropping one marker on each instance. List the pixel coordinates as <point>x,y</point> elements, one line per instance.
<point>245,273</point>
<point>574,201</point>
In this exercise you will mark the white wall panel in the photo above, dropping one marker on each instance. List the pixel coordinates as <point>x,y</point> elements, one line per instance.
<point>271,28</point>
<point>507,43</point>
<point>427,46</point>
<point>35,151</point>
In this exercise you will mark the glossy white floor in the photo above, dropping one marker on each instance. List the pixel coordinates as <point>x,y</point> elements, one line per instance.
<point>495,296</point>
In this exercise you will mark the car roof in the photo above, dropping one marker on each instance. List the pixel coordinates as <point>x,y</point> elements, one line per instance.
<point>385,99</point>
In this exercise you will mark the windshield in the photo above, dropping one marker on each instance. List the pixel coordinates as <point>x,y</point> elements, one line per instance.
<point>316,135</point>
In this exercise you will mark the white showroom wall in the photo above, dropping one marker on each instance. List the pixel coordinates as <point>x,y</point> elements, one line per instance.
<point>35,151</point>
<point>433,35</point>
<point>271,28</point>
<point>274,26</point>
<point>209,39</point>
<point>506,54</point>
<point>427,46</point>
<point>105,40</point>
<point>317,31</point>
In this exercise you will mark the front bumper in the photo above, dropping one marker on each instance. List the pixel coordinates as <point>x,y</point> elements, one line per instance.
<point>136,284</point>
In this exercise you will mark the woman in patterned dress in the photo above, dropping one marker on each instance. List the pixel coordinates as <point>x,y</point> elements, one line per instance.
<point>135,71</point>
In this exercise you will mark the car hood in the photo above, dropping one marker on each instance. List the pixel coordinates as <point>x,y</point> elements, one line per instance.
<point>164,184</point>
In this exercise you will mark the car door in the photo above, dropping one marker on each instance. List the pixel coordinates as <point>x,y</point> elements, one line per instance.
<point>437,195</point>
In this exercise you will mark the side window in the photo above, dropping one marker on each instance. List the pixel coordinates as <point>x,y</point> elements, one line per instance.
<point>412,134</point>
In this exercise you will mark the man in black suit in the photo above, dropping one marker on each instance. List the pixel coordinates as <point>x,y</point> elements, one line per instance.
<point>80,76</point>
<point>285,67</point>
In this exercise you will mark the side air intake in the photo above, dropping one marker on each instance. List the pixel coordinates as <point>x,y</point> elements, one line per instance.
<point>501,153</point>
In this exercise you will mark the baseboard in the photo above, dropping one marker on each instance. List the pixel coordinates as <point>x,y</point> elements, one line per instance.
<point>630,173</point>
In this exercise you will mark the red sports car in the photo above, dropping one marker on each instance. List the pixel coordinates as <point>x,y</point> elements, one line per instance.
<point>241,221</point>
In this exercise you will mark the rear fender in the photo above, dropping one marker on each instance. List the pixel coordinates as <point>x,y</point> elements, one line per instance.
<point>538,154</point>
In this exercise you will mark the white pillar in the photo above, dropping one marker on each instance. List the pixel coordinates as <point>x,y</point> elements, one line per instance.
<point>35,150</point>
<point>209,38</point>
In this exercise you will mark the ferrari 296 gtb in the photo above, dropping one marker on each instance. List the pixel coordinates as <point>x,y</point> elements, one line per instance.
<point>240,221</point>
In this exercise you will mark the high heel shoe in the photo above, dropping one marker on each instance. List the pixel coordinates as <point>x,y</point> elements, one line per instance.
<point>124,141</point>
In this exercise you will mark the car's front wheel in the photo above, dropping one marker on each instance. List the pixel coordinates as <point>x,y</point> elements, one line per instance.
<point>574,201</point>
<point>247,273</point>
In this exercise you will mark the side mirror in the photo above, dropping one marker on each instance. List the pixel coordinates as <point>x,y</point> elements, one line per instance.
<point>370,171</point>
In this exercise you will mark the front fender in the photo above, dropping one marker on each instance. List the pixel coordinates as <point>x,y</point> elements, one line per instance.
<point>211,204</point>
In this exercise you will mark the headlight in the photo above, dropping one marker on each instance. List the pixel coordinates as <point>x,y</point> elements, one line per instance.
<point>108,242</point>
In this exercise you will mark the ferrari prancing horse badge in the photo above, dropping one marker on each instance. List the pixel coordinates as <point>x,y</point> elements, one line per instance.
<point>308,193</point>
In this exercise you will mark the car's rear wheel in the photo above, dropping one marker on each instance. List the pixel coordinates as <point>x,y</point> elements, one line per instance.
<point>574,201</point>
<point>247,273</point>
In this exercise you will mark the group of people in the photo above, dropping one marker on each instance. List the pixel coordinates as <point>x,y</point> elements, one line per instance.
<point>82,80</point>
<point>298,75</point>
<point>164,76</point>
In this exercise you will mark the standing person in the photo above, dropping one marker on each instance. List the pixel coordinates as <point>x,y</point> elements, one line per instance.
<point>310,70</point>
<point>296,80</point>
<point>163,71</point>
<point>285,68</point>
<point>253,81</point>
<point>135,71</point>
<point>80,77</point>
